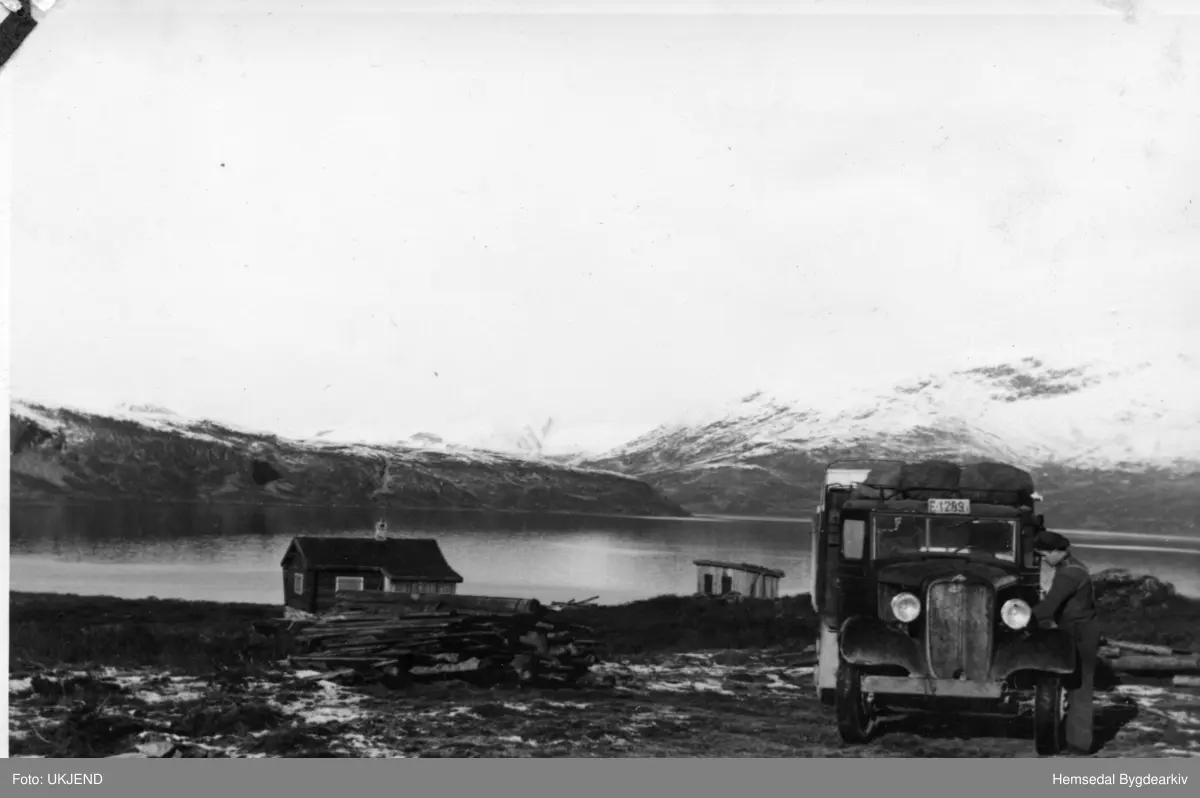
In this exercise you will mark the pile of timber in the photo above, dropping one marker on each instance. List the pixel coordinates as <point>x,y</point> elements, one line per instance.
<point>394,637</point>
<point>1123,656</point>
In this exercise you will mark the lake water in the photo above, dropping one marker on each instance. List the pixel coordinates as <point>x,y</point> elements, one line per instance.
<point>232,553</point>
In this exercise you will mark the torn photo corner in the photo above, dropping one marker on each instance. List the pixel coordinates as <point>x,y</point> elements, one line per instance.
<point>37,8</point>
<point>17,21</point>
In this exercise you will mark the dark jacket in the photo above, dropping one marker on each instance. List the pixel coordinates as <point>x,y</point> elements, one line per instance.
<point>1071,598</point>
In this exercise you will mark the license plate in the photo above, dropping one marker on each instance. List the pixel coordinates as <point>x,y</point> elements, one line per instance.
<point>950,506</point>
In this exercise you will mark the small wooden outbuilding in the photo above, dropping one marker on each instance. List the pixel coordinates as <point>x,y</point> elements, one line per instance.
<point>315,568</point>
<point>717,578</point>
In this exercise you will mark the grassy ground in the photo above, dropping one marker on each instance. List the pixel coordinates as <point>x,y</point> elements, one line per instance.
<point>93,676</point>
<point>1175,623</point>
<point>197,637</point>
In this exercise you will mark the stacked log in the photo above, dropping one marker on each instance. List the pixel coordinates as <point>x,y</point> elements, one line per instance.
<point>1129,657</point>
<point>379,635</point>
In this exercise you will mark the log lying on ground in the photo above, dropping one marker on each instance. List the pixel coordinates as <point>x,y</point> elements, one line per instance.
<point>1130,657</point>
<point>558,606</point>
<point>407,604</point>
<point>1142,648</point>
<point>376,635</point>
<point>1142,664</point>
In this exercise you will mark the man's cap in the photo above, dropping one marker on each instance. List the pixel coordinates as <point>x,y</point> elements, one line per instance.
<point>1050,541</point>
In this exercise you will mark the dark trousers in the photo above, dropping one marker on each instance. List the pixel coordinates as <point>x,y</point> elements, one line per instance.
<point>1080,715</point>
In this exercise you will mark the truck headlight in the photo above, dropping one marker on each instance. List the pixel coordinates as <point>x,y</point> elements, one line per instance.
<point>906,607</point>
<point>1015,614</point>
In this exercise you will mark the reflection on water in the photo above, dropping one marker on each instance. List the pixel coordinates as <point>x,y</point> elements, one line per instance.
<point>232,552</point>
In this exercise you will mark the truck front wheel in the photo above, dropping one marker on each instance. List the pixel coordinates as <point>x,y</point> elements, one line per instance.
<point>1048,716</point>
<point>855,715</point>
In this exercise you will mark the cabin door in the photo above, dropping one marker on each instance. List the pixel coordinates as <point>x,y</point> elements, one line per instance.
<point>708,584</point>
<point>726,584</point>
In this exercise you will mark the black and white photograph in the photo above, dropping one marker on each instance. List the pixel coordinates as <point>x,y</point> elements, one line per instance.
<point>401,379</point>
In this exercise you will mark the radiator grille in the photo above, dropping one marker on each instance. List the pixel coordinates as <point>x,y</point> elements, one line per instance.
<point>959,633</point>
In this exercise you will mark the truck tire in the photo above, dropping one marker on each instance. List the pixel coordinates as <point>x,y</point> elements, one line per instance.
<point>1048,716</point>
<point>855,717</point>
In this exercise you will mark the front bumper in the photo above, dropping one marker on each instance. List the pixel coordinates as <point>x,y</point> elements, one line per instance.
<point>942,688</point>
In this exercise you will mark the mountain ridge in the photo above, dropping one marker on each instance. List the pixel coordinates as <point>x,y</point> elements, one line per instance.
<point>150,454</point>
<point>1110,446</point>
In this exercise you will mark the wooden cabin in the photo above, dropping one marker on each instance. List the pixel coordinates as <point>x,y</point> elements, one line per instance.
<point>716,578</point>
<point>315,568</point>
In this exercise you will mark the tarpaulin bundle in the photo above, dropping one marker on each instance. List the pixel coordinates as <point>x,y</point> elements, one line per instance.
<point>996,483</point>
<point>990,482</point>
<point>930,479</point>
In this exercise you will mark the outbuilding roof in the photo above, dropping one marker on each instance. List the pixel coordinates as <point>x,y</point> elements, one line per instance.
<point>399,558</point>
<point>740,566</point>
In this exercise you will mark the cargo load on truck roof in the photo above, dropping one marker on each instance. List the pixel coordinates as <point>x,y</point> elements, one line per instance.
<point>988,481</point>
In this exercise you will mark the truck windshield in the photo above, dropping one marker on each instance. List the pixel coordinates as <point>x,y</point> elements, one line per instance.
<point>990,538</point>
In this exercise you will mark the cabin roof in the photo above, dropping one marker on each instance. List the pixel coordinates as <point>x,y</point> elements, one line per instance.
<point>740,566</point>
<point>399,558</point>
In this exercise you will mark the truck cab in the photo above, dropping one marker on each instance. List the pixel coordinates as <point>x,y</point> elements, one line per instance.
<point>923,576</point>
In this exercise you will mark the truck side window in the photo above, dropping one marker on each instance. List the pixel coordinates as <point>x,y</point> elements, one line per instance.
<point>854,534</point>
<point>1031,558</point>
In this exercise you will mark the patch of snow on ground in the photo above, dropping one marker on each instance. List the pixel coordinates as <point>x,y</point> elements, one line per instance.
<point>710,686</point>
<point>1183,718</point>
<point>319,715</point>
<point>1141,690</point>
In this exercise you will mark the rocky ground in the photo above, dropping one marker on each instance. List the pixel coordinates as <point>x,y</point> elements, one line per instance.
<point>703,704</point>
<point>681,677</point>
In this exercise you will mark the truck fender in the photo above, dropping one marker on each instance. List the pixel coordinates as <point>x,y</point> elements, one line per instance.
<point>871,642</point>
<point>1046,650</point>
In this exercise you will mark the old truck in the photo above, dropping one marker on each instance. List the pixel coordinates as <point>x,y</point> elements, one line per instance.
<point>923,578</point>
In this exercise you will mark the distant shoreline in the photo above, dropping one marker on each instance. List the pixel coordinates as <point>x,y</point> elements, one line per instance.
<point>392,508</point>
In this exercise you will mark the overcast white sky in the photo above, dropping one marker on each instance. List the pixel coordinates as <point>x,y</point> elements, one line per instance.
<point>346,216</point>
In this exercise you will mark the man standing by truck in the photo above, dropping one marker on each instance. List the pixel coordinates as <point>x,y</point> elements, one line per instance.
<point>1071,604</point>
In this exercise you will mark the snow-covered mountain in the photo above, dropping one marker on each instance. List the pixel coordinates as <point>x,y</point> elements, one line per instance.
<point>149,453</point>
<point>1117,423</point>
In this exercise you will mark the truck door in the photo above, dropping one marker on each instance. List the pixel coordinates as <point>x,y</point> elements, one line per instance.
<point>852,596</point>
<point>826,589</point>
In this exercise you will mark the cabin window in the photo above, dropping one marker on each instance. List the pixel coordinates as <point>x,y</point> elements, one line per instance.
<point>401,587</point>
<point>348,583</point>
<point>446,587</point>
<point>298,584</point>
<point>854,534</point>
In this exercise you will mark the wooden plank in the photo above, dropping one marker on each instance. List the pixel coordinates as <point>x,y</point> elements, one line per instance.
<point>328,675</point>
<point>1173,664</point>
<point>1142,648</point>
<point>496,604</point>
